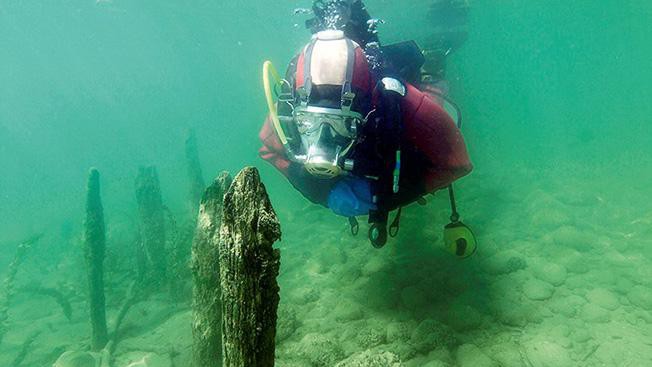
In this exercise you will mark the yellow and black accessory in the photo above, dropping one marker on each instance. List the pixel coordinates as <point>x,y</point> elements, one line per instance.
<point>459,240</point>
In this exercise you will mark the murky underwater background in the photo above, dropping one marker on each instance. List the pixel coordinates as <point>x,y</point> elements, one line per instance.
<point>555,96</point>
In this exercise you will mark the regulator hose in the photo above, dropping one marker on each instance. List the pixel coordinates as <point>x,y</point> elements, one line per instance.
<point>270,70</point>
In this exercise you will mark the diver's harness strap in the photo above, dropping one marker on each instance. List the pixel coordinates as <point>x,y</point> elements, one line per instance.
<point>347,95</point>
<point>392,92</point>
<point>304,94</point>
<point>396,93</point>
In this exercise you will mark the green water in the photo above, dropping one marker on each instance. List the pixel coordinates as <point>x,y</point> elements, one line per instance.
<point>555,96</point>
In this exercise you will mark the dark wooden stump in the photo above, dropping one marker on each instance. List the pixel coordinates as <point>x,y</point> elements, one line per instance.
<point>195,176</point>
<point>152,227</point>
<point>249,266</point>
<point>94,250</point>
<point>206,325</point>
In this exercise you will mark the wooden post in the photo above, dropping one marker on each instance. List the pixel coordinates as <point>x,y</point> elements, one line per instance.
<point>152,224</point>
<point>195,175</point>
<point>206,325</point>
<point>94,249</point>
<point>249,266</point>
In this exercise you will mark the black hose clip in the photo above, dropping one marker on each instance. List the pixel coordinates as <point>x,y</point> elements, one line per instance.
<point>396,224</point>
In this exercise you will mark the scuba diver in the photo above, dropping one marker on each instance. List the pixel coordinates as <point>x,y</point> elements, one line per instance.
<point>352,133</point>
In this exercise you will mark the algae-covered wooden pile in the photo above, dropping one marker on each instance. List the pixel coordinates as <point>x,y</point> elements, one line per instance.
<point>560,279</point>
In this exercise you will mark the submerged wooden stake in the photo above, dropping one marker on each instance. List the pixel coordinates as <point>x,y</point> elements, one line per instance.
<point>195,175</point>
<point>152,223</point>
<point>206,326</point>
<point>94,249</point>
<point>249,266</point>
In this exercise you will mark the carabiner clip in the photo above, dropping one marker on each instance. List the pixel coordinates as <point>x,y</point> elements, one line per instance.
<point>355,226</point>
<point>396,224</point>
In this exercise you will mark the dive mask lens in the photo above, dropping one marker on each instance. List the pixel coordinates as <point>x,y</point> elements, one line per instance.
<point>327,135</point>
<point>344,126</point>
<point>308,123</point>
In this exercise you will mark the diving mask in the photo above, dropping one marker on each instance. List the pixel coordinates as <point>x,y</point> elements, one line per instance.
<point>327,136</point>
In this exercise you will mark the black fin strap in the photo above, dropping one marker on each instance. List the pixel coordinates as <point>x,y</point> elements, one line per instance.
<point>396,224</point>
<point>350,66</point>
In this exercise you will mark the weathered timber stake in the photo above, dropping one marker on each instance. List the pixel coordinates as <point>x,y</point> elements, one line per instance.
<point>249,266</point>
<point>206,326</point>
<point>152,224</point>
<point>195,175</point>
<point>94,249</point>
